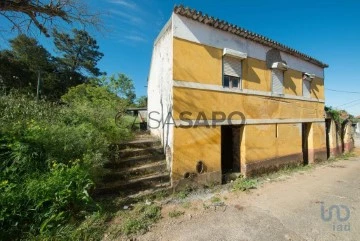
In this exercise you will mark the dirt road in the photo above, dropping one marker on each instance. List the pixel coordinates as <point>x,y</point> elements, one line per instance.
<point>289,209</point>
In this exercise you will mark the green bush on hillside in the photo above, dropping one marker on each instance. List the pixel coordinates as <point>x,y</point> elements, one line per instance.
<point>48,155</point>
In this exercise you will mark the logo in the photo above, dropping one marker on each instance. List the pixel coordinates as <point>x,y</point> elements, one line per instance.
<point>338,215</point>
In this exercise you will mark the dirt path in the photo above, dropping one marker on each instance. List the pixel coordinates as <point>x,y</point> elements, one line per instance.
<point>289,209</point>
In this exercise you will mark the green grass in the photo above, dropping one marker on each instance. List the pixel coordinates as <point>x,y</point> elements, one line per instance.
<point>183,193</point>
<point>176,213</point>
<point>215,199</point>
<point>140,219</point>
<point>346,156</point>
<point>186,205</point>
<point>244,184</point>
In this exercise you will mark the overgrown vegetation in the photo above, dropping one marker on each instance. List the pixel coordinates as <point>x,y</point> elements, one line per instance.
<point>340,116</point>
<point>57,120</point>
<point>49,157</point>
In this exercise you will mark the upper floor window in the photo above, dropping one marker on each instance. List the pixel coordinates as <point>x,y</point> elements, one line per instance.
<point>231,81</point>
<point>307,78</point>
<point>277,77</point>
<point>232,68</point>
<point>232,72</point>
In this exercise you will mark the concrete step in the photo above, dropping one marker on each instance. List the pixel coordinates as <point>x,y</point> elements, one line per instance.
<point>132,186</point>
<point>136,161</point>
<point>134,172</point>
<point>139,143</point>
<point>140,151</point>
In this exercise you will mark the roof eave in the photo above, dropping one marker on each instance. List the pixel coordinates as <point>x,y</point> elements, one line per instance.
<point>234,29</point>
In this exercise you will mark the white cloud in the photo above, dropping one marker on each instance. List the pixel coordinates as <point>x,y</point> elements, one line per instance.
<point>125,3</point>
<point>128,17</point>
<point>135,38</point>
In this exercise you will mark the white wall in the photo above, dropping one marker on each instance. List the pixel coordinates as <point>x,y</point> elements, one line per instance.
<point>194,31</point>
<point>160,88</point>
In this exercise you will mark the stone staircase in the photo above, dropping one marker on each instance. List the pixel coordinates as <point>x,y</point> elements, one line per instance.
<point>136,168</point>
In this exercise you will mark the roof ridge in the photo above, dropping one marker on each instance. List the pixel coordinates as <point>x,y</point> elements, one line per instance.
<point>239,31</point>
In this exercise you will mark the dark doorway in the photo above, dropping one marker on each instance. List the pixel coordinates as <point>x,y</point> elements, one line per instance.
<point>328,126</point>
<point>230,148</point>
<point>305,144</point>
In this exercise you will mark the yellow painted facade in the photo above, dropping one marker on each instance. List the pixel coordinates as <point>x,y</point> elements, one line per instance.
<point>317,88</point>
<point>276,140</point>
<point>252,106</point>
<point>255,75</point>
<point>319,136</point>
<point>293,82</point>
<point>197,63</point>
<point>193,145</point>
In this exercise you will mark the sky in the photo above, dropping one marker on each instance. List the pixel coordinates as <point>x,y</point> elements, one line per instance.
<point>326,30</point>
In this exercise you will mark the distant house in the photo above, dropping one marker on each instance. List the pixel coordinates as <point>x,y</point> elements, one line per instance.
<point>223,99</point>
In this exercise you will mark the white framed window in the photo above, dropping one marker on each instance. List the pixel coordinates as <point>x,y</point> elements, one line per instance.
<point>307,78</point>
<point>277,81</point>
<point>232,68</point>
<point>277,77</point>
<point>231,81</point>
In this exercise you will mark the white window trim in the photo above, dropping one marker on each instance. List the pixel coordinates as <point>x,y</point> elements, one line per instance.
<point>272,81</point>
<point>234,54</point>
<point>238,77</point>
<point>307,77</point>
<point>279,65</point>
<point>282,67</point>
<point>230,82</point>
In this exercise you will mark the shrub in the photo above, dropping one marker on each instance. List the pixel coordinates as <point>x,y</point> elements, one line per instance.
<point>48,156</point>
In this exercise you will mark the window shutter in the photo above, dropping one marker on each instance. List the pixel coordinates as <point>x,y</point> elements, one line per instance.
<point>306,88</point>
<point>232,66</point>
<point>277,81</point>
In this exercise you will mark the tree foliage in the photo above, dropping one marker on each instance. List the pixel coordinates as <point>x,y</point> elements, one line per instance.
<point>120,85</point>
<point>30,52</point>
<point>21,65</point>
<point>79,52</point>
<point>141,101</point>
<point>44,14</point>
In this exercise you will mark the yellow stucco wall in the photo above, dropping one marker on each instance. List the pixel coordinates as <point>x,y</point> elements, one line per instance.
<point>255,75</point>
<point>317,88</point>
<point>293,82</point>
<point>334,136</point>
<point>197,63</point>
<point>258,143</point>
<point>253,107</point>
<point>268,141</point>
<point>319,136</point>
<point>194,144</point>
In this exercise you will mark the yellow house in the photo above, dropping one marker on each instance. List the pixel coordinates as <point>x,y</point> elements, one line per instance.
<point>223,99</point>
